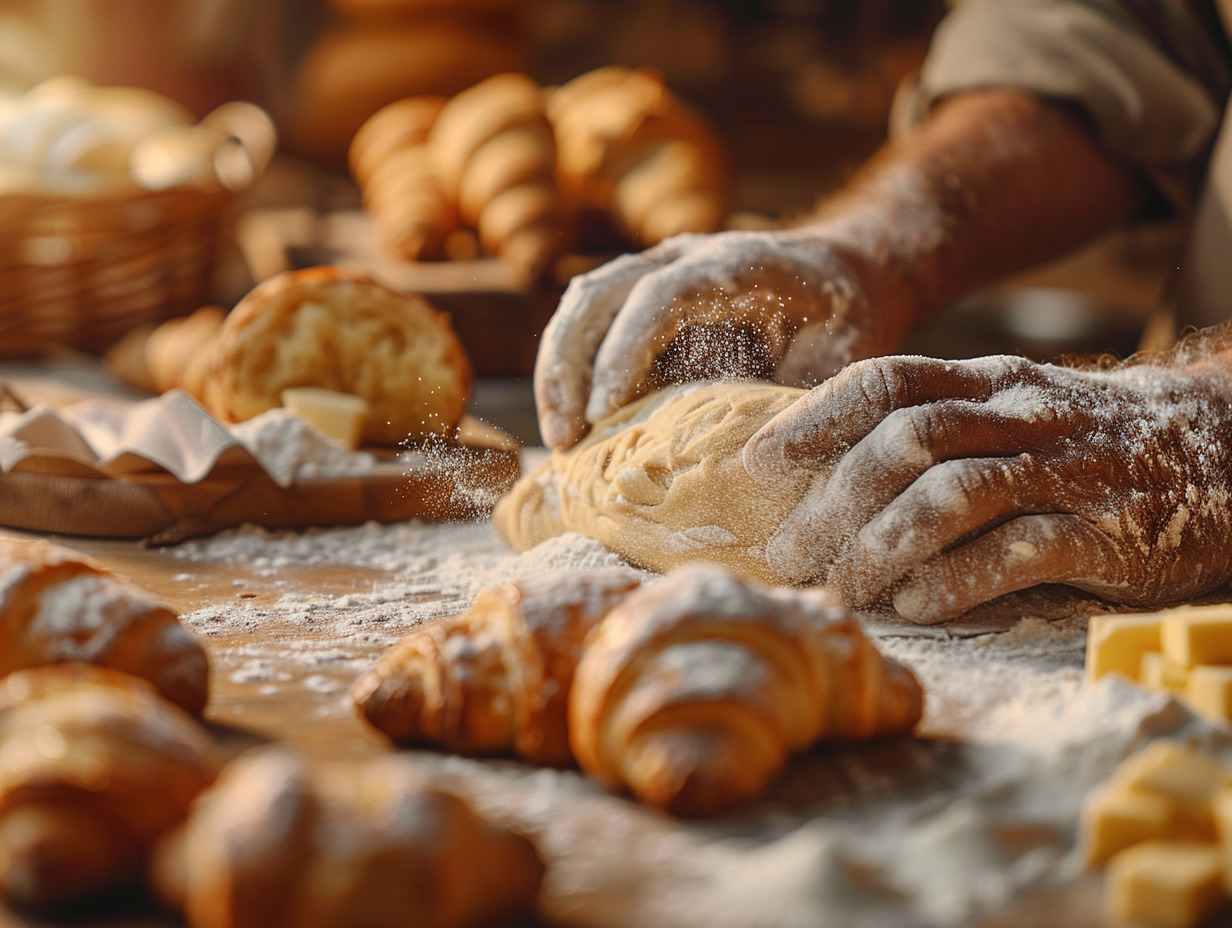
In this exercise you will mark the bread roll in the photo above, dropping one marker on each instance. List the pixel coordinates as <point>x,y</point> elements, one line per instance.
<point>352,71</point>
<point>661,482</point>
<point>341,330</point>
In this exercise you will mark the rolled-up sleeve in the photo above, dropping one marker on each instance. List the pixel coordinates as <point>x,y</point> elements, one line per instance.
<point>1097,55</point>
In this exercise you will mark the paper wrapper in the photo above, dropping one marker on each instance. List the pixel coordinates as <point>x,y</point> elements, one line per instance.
<point>164,469</point>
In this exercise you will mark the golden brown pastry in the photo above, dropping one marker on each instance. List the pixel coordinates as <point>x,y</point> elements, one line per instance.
<point>341,330</point>
<point>694,691</point>
<point>56,607</point>
<point>661,482</point>
<point>494,153</point>
<point>275,845</point>
<point>626,145</point>
<point>391,162</point>
<point>94,767</point>
<point>495,679</point>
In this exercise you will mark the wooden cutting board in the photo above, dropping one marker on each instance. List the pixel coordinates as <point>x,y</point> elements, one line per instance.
<point>461,479</point>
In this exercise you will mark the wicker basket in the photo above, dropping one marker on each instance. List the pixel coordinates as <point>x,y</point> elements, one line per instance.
<point>79,272</point>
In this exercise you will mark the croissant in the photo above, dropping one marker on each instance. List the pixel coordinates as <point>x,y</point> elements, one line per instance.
<point>495,679</point>
<point>94,766</point>
<point>628,147</point>
<point>694,691</point>
<point>275,844</point>
<point>55,607</point>
<point>493,150</point>
<point>390,161</point>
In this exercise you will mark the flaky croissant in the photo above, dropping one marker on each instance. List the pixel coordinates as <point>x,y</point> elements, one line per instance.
<point>390,160</point>
<point>627,146</point>
<point>494,153</point>
<point>495,679</point>
<point>94,767</point>
<point>56,607</point>
<point>276,845</point>
<point>694,691</point>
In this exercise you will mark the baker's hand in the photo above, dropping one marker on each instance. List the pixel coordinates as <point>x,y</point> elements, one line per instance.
<point>954,483</point>
<point>790,305</point>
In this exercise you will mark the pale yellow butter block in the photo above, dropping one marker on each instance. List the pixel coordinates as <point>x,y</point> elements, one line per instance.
<point>1116,643</point>
<point>1156,673</point>
<point>1194,635</point>
<point>1164,884</point>
<point>1189,776</point>
<point>339,416</point>
<point>1209,691</point>
<point>1114,818</point>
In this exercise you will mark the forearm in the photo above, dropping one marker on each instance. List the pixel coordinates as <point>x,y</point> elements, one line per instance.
<point>995,182</point>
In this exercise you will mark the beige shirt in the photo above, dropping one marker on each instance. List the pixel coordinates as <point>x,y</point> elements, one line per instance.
<point>1153,76</point>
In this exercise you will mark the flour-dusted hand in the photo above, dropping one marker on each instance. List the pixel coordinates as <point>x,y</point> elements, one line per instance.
<point>791,305</point>
<point>954,483</point>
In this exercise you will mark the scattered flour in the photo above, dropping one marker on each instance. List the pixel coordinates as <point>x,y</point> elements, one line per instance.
<point>930,831</point>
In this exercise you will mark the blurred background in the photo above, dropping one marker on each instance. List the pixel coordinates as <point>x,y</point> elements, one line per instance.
<point>799,93</point>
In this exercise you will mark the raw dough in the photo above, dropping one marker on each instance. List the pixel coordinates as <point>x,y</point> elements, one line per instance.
<point>661,482</point>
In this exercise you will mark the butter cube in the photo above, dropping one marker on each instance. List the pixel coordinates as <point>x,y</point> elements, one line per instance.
<point>1164,884</point>
<point>1184,774</point>
<point>1116,643</point>
<point>1209,692</point>
<point>1115,818</point>
<point>335,415</point>
<point>1194,635</point>
<point>1156,673</point>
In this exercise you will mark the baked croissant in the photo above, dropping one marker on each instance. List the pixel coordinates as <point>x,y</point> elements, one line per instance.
<point>628,147</point>
<point>495,679</point>
<point>694,691</point>
<point>173,354</point>
<point>494,153</point>
<point>390,160</point>
<point>94,767</point>
<point>55,607</point>
<point>275,845</point>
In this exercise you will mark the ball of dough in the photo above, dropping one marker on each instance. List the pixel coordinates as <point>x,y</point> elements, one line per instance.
<point>341,330</point>
<point>661,482</point>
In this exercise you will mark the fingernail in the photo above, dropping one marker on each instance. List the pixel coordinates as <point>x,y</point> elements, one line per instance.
<point>787,557</point>
<point>915,602</point>
<point>763,455</point>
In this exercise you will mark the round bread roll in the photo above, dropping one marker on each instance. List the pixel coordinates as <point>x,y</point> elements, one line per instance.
<point>339,329</point>
<point>353,71</point>
<point>662,482</point>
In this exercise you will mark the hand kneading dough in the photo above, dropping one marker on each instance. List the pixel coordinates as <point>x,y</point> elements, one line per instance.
<point>661,483</point>
<point>338,329</point>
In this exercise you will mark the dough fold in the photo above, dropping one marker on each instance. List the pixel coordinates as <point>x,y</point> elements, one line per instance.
<point>661,482</point>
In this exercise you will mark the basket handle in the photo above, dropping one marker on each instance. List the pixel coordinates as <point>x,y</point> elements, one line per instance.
<point>251,141</point>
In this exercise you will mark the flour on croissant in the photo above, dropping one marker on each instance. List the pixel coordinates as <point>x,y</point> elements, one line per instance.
<point>94,767</point>
<point>696,689</point>
<point>275,844</point>
<point>662,483</point>
<point>55,607</point>
<point>495,679</point>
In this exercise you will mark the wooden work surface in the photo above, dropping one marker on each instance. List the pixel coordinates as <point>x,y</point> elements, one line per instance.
<point>278,676</point>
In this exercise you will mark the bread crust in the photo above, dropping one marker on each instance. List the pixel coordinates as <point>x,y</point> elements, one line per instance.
<point>340,329</point>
